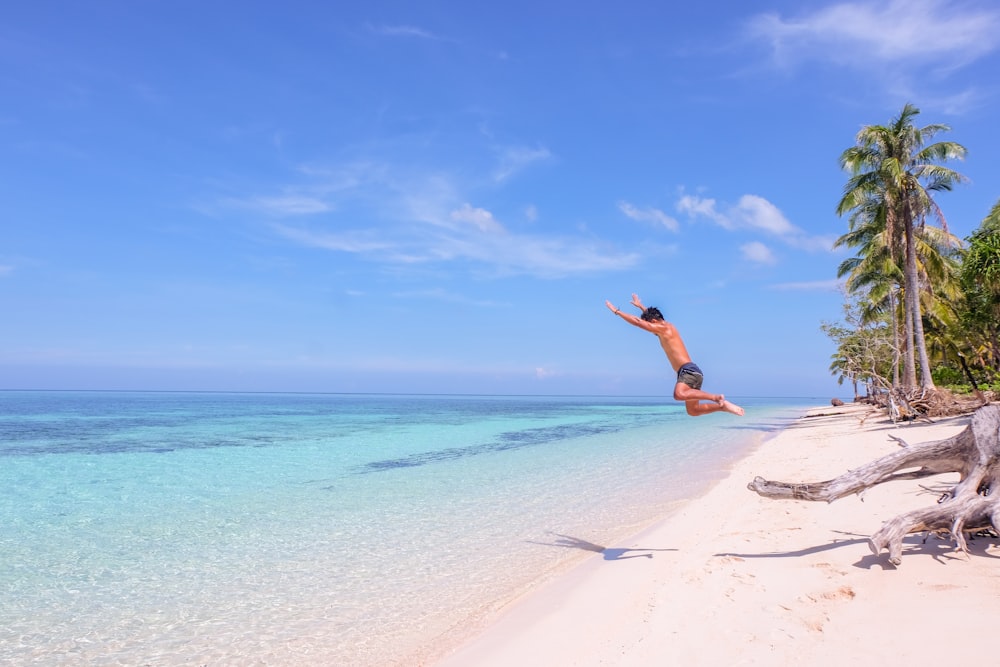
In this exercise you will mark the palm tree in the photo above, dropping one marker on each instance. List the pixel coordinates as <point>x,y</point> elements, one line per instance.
<point>892,166</point>
<point>876,274</point>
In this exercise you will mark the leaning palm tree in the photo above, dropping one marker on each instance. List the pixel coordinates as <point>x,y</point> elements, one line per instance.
<point>893,164</point>
<point>874,272</point>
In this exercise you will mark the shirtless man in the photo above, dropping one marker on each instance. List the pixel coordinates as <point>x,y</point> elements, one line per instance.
<point>689,376</point>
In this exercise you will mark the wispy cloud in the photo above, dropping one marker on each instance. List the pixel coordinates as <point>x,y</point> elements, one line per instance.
<point>905,43</point>
<point>6,270</point>
<point>320,193</point>
<point>653,215</point>
<point>493,251</point>
<point>360,241</point>
<point>391,218</point>
<point>912,32</point>
<point>813,286</point>
<point>402,31</point>
<point>438,294</point>
<point>287,205</point>
<point>543,373</point>
<point>516,158</point>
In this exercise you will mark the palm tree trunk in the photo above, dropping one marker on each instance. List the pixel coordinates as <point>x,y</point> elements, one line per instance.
<point>909,364</point>
<point>896,339</point>
<point>995,347</point>
<point>926,381</point>
<point>913,297</point>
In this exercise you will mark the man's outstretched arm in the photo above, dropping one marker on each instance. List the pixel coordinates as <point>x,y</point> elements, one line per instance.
<point>631,319</point>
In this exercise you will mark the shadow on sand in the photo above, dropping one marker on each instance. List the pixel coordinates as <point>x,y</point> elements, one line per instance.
<point>609,553</point>
<point>939,549</point>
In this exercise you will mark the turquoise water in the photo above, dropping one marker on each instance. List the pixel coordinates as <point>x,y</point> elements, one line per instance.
<point>176,528</point>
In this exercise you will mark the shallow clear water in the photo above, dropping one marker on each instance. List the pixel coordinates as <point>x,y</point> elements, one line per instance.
<point>174,528</point>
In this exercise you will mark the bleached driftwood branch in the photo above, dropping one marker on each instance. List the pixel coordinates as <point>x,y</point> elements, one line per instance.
<point>971,505</point>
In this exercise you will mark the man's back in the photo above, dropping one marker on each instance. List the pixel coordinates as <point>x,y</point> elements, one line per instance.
<point>671,342</point>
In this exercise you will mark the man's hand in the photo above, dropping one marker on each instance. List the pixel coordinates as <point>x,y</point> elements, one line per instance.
<point>612,307</point>
<point>637,303</point>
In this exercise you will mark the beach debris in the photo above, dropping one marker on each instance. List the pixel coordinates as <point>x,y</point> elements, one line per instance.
<point>968,507</point>
<point>908,405</point>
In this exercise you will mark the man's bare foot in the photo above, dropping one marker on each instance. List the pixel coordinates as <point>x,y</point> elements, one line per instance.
<point>731,407</point>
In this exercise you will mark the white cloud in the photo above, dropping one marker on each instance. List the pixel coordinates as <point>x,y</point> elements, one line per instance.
<point>480,218</point>
<point>753,212</point>
<point>6,269</point>
<point>653,215</point>
<point>696,207</point>
<point>759,213</point>
<point>757,252</point>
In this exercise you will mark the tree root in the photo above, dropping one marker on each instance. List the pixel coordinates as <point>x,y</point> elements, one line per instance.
<point>968,507</point>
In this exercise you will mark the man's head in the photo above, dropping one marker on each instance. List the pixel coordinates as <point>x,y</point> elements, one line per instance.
<point>652,314</point>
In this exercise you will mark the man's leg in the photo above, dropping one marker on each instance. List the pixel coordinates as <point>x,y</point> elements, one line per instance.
<point>697,409</point>
<point>692,401</point>
<point>683,392</point>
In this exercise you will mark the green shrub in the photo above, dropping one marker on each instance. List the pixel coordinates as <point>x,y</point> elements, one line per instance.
<point>946,375</point>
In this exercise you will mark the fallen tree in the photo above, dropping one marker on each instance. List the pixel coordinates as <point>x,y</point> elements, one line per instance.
<point>967,507</point>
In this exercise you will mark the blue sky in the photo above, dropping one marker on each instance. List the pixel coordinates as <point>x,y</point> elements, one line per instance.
<point>439,196</point>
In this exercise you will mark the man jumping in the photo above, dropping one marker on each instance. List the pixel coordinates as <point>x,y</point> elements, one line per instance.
<point>689,376</point>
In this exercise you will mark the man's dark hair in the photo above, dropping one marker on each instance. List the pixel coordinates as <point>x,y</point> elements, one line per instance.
<point>652,314</point>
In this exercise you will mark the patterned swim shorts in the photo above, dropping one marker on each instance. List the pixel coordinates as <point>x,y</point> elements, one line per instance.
<point>690,375</point>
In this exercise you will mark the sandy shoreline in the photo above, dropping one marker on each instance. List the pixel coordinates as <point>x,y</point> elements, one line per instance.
<point>735,579</point>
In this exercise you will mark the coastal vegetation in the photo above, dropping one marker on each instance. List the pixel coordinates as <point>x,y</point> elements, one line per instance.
<point>918,298</point>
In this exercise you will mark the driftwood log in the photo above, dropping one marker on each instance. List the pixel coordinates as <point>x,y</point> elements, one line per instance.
<point>969,506</point>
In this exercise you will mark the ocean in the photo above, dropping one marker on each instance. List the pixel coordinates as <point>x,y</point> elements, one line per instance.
<point>320,529</point>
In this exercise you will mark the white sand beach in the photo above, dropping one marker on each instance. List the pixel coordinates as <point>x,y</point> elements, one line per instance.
<point>735,579</point>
